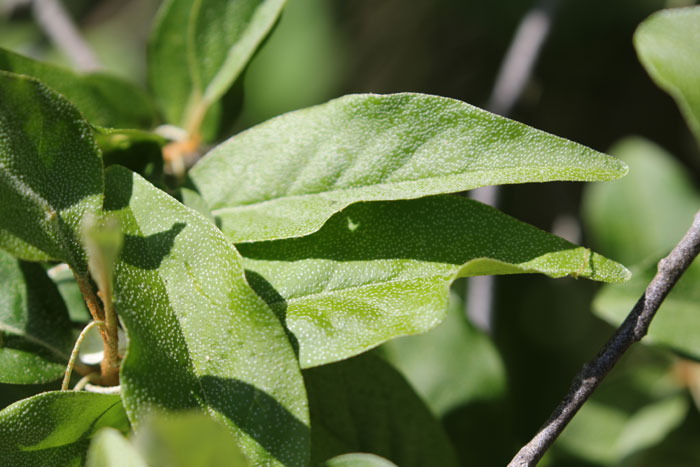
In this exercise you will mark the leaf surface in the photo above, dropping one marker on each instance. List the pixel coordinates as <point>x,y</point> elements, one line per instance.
<point>358,459</point>
<point>364,405</point>
<point>50,173</point>
<point>381,270</point>
<point>199,47</point>
<point>667,45</point>
<point>199,337</point>
<point>36,338</point>
<point>54,428</point>
<point>286,177</point>
<point>109,448</point>
<point>103,99</point>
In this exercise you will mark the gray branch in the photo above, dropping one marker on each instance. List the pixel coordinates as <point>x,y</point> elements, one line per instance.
<point>630,331</point>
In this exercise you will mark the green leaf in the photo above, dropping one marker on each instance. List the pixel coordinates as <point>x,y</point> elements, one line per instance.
<point>64,279</point>
<point>199,337</point>
<point>667,45</point>
<point>109,448</point>
<point>286,177</point>
<point>676,324</point>
<point>199,47</point>
<point>54,428</point>
<point>646,213</point>
<point>50,173</point>
<point>36,338</point>
<point>103,99</point>
<point>364,405</point>
<point>140,151</point>
<point>381,270</point>
<point>452,365</point>
<point>358,459</point>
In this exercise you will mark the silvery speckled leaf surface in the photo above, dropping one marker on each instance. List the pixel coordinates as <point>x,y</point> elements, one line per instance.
<point>381,270</point>
<point>36,336</point>
<point>50,173</point>
<point>286,177</point>
<point>199,337</point>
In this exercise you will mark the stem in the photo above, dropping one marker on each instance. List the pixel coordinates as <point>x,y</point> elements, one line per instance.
<point>74,353</point>
<point>634,327</point>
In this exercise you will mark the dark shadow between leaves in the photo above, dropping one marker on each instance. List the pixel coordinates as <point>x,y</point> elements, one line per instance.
<point>259,415</point>
<point>149,251</point>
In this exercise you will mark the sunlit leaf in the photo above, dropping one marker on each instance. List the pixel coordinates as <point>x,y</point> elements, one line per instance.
<point>381,270</point>
<point>50,173</point>
<point>109,448</point>
<point>199,47</point>
<point>54,428</point>
<point>199,337</point>
<point>35,332</point>
<point>667,45</point>
<point>103,99</point>
<point>286,177</point>
<point>364,405</point>
<point>358,459</point>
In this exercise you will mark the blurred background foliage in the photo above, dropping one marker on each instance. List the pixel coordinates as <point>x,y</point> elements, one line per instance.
<point>492,392</point>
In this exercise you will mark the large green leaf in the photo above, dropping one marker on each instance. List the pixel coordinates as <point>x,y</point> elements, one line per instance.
<point>286,177</point>
<point>36,338</point>
<point>667,45</point>
<point>103,99</point>
<point>50,173</point>
<point>199,337</point>
<point>364,405</point>
<point>199,47</point>
<point>381,270</point>
<point>109,448</point>
<point>645,213</point>
<point>54,428</point>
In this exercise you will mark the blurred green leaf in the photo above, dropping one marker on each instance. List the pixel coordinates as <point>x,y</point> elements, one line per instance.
<point>140,151</point>
<point>667,45</point>
<point>36,338</point>
<point>50,173</point>
<point>199,47</point>
<point>364,405</point>
<point>54,428</point>
<point>199,337</point>
<point>381,270</point>
<point>647,212</point>
<point>109,448</point>
<point>451,365</point>
<point>64,279</point>
<point>286,177</point>
<point>358,459</point>
<point>103,99</point>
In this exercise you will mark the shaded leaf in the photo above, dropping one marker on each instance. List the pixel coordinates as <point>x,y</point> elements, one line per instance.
<point>381,270</point>
<point>286,177</point>
<point>199,337</point>
<point>103,99</point>
<point>199,47</point>
<point>109,448</point>
<point>140,151</point>
<point>647,212</point>
<point>364,405</point>
<point>36,338</point>
<point>667,45</point>
<point>50,173</point>
<point>358,459</point>
<point>54,428</point>
<point>64,279</point>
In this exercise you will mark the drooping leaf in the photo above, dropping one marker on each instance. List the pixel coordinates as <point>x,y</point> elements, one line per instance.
<point>645,213</point>
<point>381,270</point>
<point>364,405</point>
<point>54,428</point>
<point>50,173</point>
<point>199,47</point>
<point>103,99</point>
<point>358,459</point>
<point>199,337</point>
<point>35,332</point>
<point>667,45</point>
<point>109,448</point>
<point>452,365</point>
<point>286,177</point>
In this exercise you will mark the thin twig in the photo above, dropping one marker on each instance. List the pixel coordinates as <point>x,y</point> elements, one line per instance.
<point>75,352</point>
<point>513,75</point>
<point>630,331</point>
<point>54,21</point>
